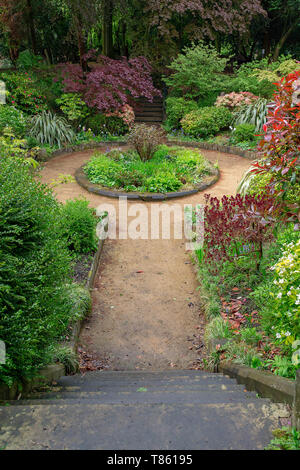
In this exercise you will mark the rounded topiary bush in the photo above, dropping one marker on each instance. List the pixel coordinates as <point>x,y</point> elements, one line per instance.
<point>207,121</point>
<point>35,266</point>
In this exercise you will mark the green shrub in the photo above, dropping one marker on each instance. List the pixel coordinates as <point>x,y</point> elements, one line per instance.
<point>197,72</point>
<point>51,129</point>
<point>102,125</point>
<point>24,93</point>
<point>176,109</point>
<point>285,439</point>
<point>79,223</point>
<point>13,118</point>
<point>35,265</point>
<point>244,133</point>
<point>206,122</point>
<point>27,60</point>
<point>11,146</point>
<point>162,182</point>
<point>73,107</point>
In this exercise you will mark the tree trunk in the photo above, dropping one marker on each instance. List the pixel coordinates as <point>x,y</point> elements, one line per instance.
<point>31,27</point>
<point>283,39</point>
<point>107,37</point>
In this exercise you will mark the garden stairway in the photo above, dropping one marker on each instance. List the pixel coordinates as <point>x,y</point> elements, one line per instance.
<point>176,409</point>
<point>150,113</point>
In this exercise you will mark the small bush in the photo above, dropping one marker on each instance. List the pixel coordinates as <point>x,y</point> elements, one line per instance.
<point>234,100</point>
<point>48,128</point>
<point>79,226</point>
<point>13,118</point>
<point>24,92</point>
<point>145,140</point>
<point>176,109</point>
<point>244,133</point>
<point>162,182</point>
<point>101,124</point>
<point>206,122</point>
<point>73,107</point>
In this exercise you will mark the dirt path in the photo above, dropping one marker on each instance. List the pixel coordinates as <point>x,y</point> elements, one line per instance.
<point>150,319</point>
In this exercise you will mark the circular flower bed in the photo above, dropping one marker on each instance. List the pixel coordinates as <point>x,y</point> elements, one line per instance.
<point>170,169</point>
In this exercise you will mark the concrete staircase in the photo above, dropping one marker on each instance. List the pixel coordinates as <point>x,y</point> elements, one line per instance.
<point>150,113</point>
<point>123,410</point>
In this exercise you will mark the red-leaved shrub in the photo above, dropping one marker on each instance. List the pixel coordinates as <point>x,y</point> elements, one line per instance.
<point>237,225</point>
<point>110,84</point>
<point>280,146</point>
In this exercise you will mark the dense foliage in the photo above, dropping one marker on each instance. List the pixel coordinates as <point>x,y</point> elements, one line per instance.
<point>35,266</point>
<point>206,121</point>
<point>170,169</point>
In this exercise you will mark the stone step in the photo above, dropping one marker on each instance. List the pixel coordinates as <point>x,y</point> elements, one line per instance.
<point>94,426</point>
<point>127,378</point>
<point>150,386</point>
<point>131,397</point>
<point>149,119</point>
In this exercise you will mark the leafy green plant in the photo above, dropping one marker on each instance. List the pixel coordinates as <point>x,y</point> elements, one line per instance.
<point>73,107</point>
<point>79,222</point>
<point>206,122</point>
<point>283,366</point>
<point>145,140</point>
<point>11,146</point>
<point>27,60</point>
<point>217,328</point>
<point>176,109</point>
<point>197,72</point>
<point>35,266</point>
<point>24,92</point>
<point>100,124</point>
<point>169,169</point>
<point>250,336</point>
<point>254,114</point>
<point>244,133</point>
<point>13,118</point>
<point>285,439</point>
<point>48,128</point>
<point>66,356</point>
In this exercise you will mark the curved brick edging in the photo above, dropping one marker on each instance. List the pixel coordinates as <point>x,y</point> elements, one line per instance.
<point>201,145</point>
<point>53,372</point>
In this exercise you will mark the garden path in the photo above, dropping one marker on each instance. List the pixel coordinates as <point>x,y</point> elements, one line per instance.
<point>146,310</point>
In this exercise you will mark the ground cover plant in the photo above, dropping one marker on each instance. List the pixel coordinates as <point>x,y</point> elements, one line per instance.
<point>169,169</point>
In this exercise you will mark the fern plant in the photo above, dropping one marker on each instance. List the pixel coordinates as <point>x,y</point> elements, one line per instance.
<point>254,113</point>
<point>51,129</point>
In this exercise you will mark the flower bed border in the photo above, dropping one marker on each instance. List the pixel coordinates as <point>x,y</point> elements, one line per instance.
<point>53,372</point>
